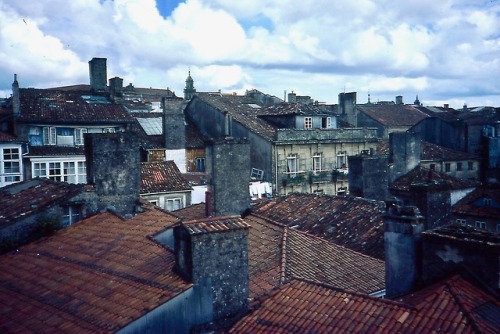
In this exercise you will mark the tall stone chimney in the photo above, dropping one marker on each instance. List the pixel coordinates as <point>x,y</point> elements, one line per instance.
<point>347,108</point>
<point>369,176</point>
<point>433,201</point>
<point>174,131</point>
<point>228,171</point>
<point>399,99</point>
<point>403,254</point>
<point>113,166</point>
<point>212,253</point>
<point>404,153</point>
<point>16,98</point>
<point>98,74</point>
<point>116,88</point>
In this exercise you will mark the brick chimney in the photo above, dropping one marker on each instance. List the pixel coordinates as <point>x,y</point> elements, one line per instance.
<point>403,255</point>
<point>212,253</point>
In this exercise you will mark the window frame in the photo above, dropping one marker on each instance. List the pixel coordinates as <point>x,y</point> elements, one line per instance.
<point>173,200</point>
<point>71,214</point>
<point>480,225</point>
<point>79,135</point>
<point>317,162</point>
<point>292,167</point>
<point>308,122</point>
<point>49,136</point>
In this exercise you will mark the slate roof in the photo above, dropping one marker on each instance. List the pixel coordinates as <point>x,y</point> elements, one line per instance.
<point>162,177</point>
<point>353,222</point>
<point>451,306</point>
<point>393,114</point>
<point>97,275</point>
<point>42,194</point>
<point>59,106</point>
<point>8,138</point>
<point>292,109</point>
<point>431,152</point>
<point>467,234</point>
<point>473,204</point>
<point>420,174</point>
<point>55,151</point>
<point>239,107</point>
<point>278,254</point>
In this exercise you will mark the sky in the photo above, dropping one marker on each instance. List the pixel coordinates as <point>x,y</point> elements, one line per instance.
<point>444,51</point>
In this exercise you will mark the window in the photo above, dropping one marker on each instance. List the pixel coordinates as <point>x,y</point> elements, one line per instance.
<point>447,167</point>
<point>108,130</point>
<point>67,171</point>
<point>308,123</point>
<point>257,174</point>
<point>459,166</point>
<point>79,136</point>
<point>462,222</point>
<point>49,136</point>
<point>487,201</point>
<point>341,160</point>
<point>326,122</point>
<point>481,225</point>
<point>71,215</point>
<point>153,201</point>
<point>433,166</point>
<point>291,165</point>
<point>11,161</point>
<point>317,163</point>
<point>174,204</point>
<point>470,165</point>
<point>200,164</point>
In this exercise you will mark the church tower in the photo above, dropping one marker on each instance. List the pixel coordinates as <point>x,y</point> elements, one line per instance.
<point>189,90</point>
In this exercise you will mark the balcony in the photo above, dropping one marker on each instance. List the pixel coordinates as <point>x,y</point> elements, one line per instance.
<point>290,179</point>
<point>322,176</point>
<point>340,175</point>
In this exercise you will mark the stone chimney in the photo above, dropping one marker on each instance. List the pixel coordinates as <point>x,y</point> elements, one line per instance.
<point>369,176</point>
<point>403,254</point>
<point>113,167</point>
<point>399,99</point>
<point>212,253</point>
<point>347,108</point>
<point>433,201</point>
<point>228,172</point>
<point>98,74</point>
<point>174,131</point>
<point>16,98</point>
<point>116,88</point>
<point>404,153</point>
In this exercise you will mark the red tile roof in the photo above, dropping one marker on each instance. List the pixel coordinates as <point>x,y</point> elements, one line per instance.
<point>452,306</point>
<point>474,205</point>
<point>353,222</point>
<point>97,275</point>
<point>192,212</point>
<point>162,177</point>
<point>215,224</point>
<point>22,199</point>
<point>423,175</point>
<point>440,153</point>
<point>278,254</point>
<point>58,106</point>
<point>393,114</point>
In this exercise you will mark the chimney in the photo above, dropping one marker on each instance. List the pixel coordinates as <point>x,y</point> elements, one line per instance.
<point>228,171</point>
<point>212,253</point>
<point>404,153</point>
<point>113,166</point>
<point>98,74</point>
<point>116,88</point>
<point>403,253</point>
<point>399,99</point>
<point>174,130</point>
<point>433,201</point>
<point>16,98</point>
<point>292,97</point>
<point>369,176</point>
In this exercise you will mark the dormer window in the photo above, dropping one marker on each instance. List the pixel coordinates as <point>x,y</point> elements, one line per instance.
<point>49,135</point>
<point>308,123</point>
<point>326,122</point>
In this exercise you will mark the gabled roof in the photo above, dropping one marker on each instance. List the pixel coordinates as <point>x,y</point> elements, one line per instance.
<point>278,254</point>
<point>58,106</point>
<point>451,306</point>
<point>242,109</point>
<point>474,203</point>
<point>192,212</point>
<point>162,177</point>
<point>353,222</point>
<point>22,199</point>
<point>97,275</point>
<point>420,174</point>
<point>393,114</point>
<point>440,153</point>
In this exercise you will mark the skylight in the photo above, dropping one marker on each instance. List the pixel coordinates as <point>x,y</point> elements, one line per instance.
<point>152,126</point>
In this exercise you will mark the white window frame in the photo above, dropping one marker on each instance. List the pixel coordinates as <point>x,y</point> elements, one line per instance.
<point>170,204</point>
<point>257,174</point>
<point>8,155</point>
<point>343,156</point>
<point>66,170</point>
<point>292,165</point>
<point>317,162</point>
<point>308,122</point>
<point>49,135</point>
<point>328,122</point>
<point>79,134</point>
<point>71,215</point>
<point>480,225</point>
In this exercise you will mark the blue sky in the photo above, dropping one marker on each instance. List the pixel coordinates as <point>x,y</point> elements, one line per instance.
<point>445,51</point>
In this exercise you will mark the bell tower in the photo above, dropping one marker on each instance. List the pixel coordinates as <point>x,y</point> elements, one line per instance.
<point>189,90</point>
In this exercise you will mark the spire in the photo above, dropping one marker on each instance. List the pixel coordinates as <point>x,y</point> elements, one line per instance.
<point>417,102</point>
<point>369,97</point>
<point>189,90</point>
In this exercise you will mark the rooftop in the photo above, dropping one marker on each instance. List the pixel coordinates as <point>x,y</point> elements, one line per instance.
<point>97,275</point>
<point>161,177</point>
<point>393,114</point>
<point>483,202</point>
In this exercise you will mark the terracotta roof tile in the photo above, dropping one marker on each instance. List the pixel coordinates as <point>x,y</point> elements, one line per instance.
<point>393,114</point>
<point>160,177</point>
<point>353,222</point>
<point>215,224</point>
<point>52,105</point>
<point>43,193</point>
<point>474,203</point>
<point>192,212</point>
<point>97,275</point>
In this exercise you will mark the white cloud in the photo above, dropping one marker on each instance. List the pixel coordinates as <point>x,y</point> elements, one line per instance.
<point>440,50</point>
